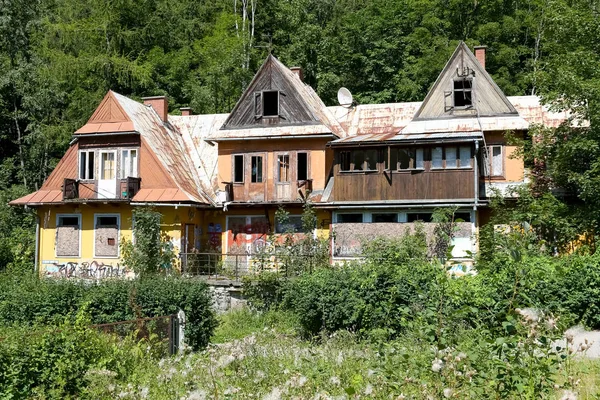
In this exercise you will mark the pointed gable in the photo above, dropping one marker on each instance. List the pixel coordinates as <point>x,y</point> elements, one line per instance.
<point>109,117</point>
<point>278,98</point>
<point>464,89</point>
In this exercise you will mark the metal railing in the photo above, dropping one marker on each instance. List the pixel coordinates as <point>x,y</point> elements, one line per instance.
<point>234,266</point>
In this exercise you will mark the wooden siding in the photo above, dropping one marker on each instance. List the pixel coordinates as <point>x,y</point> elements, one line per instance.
<point>410,185</point>
<point>293,110</point>
<point>488,99</point>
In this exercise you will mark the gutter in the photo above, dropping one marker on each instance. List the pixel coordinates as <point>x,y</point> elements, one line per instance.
<point>327,135</point>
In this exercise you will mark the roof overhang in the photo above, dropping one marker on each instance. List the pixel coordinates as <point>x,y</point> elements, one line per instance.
<point>271,137</point>
<point>79,135</point>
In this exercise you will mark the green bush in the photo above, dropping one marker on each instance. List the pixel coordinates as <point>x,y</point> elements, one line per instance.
<point>263,291</point>
<point>28,300</point>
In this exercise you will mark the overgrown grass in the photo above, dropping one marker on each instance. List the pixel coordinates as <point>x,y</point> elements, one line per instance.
<point>238,324</point>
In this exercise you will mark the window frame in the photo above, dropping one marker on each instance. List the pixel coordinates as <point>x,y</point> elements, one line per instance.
<point>118,236</point>
<point>262,169</point>
<point>470,149</point>
<point>456,157</point>
<point>490,153</point>
<point>233,169</point>
<point>295,216</point>
<point>135,166</point>
<point>278,164</point>
<point>442,158</point>
<point>463,90</point>
<point>262,103</point>
<point>80,227</point>
<point>94,172</point>
<point>337,217</point>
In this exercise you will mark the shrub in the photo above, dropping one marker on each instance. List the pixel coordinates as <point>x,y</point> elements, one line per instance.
<point>30,300</point>
<point>264,290</point>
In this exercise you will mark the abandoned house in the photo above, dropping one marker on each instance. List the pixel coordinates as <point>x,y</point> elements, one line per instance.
<point>369,169</point>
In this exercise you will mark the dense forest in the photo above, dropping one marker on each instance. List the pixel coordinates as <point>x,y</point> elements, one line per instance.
<point>59,57</point>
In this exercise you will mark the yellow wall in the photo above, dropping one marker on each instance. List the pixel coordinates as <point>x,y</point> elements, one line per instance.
<point>172,224</point>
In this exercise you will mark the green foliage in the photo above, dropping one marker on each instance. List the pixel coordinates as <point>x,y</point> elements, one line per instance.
<point>28,300</point>
<point>264,290</point>
<point>152,252</point>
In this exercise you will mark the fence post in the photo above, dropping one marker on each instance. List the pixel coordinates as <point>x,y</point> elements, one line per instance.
<point>181,333</point>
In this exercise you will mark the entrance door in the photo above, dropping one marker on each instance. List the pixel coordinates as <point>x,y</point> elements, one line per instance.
<point>107,181</point>
<point>283,178</point>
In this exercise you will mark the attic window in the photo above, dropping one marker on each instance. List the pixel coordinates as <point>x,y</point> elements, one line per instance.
<point>462,93</point>
<point>270,103</point>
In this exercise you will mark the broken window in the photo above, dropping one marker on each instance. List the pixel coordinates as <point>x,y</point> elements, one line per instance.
<point>462,217</point>
<point>270,103</point>
<point>292,224</point>
<point>106,236</point>
<point>465,156</point>
<point>462,93</point>
<point>436,157</point>
<point>451,160</point>
<point>86,165</point>
<point>238,168</point>
<point>302,166</point>
<point>257,169</point>
<point>371,158</point>
<point>423,217</point>
<point>67,235</point>
<point>284,168</point>
<point>358,160</point>
<point>493,165</point>
<point>129,164</point>
<point>349,218</point>
<point>386,217</point>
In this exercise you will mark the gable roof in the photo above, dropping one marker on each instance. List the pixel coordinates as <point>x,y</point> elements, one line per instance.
<point>109,117</point>
<point>488,98</point>
<point>302,112</point>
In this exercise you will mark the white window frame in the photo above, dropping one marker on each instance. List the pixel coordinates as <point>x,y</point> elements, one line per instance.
<point>58,216</point>
<point>87,160</point>
<point>124,168</point>
<point>118,234</point>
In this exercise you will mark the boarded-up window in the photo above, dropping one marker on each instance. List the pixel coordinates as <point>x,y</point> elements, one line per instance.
<point>283,162</point>
<point>67,235</point>
<point>257,169</point>
<point>436,157</point>
<point>302,166</point>
<point>238,169</point>
<point>86,165</point>
<point>451,161</point>
<point>465,157</point>
<point>107,236</point>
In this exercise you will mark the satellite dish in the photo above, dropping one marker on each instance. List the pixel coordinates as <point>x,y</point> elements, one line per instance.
<point>344,97</point>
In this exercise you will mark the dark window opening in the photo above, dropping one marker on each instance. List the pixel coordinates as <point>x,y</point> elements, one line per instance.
<point>86,165</point>
<point>423,217</point>
<point>462,93</point>
<point>292,225</point>
<point>358,159</point>
<point>345,161</point>
<point>371,158</point>
<point>270,104</point>
<point>238,169</point>
<point>257,169</point>
<point>68,221</point>
<point>388,217</point>
<point>302,166</point>
<point>462,216</point>
<point>107,221</point>
<point>349,218</point>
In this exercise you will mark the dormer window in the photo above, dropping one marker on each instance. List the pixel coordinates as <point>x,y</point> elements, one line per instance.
<point>270,103</point>
<point>463,93</point>
<point>86,165</point>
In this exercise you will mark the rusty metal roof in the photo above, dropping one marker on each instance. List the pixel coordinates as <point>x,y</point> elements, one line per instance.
<point>368,119</point>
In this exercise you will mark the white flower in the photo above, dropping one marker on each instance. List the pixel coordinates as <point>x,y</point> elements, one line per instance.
<point>569,395</point>
<point>369,389</point>
<point>275,394</point>
<point>197,395</point>
<point>437,365</point>
<point>334,380</point>
<point>144,392</point>
<point>447,393</point>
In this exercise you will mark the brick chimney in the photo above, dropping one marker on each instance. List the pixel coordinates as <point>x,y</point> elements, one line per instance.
<point>480,55</point>
<point>159,104</point>
<point>298,71</point>
<point>186,111</point>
